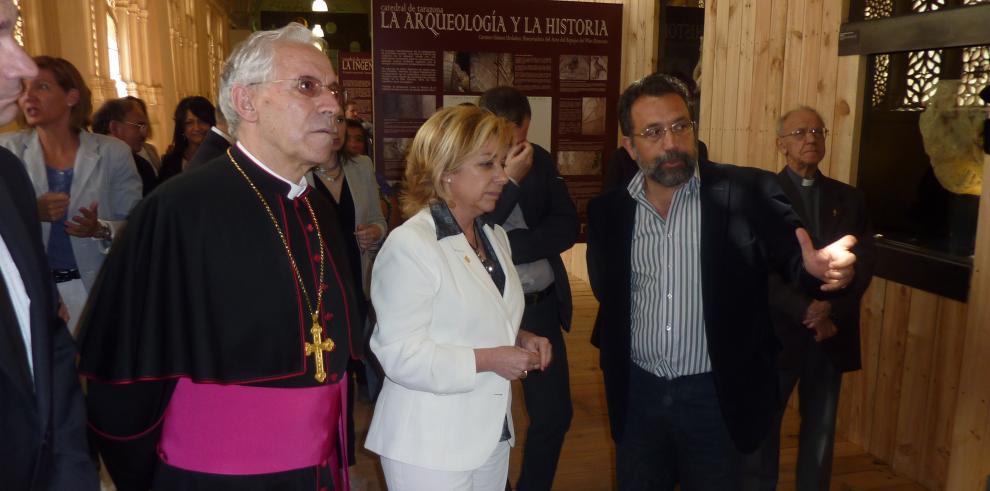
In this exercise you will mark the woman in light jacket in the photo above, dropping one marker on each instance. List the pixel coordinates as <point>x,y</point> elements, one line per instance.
<point>86,184</point>
<point>449,305</point>
<point>350,182</point>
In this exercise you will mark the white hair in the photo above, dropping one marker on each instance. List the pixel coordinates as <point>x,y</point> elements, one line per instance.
<point>800,109</point>
<point>253,61</point>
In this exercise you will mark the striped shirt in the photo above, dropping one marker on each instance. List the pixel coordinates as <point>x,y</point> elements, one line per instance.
<point>667,319</point>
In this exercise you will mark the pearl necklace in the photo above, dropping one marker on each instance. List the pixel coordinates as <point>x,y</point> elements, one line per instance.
<point>320,171</point>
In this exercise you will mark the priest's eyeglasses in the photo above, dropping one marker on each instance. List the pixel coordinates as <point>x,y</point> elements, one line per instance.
<point>816,133</point>
<point>312,87</point>
<point>139,126</point>
<point>657,132</point>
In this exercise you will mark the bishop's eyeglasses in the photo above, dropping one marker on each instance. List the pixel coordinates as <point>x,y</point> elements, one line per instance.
<point>312,87</point>
<point>657,132</point>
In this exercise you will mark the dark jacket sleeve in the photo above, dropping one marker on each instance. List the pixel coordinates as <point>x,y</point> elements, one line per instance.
<point>556,230</point>
<point>555,234</point>
<point>776,222</point>
<point>788,299</point>
<point>74,470</point>
<point>125,423</point>
<point>846,302</point>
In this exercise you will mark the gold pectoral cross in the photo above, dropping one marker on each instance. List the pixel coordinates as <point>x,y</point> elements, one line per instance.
<point>317,347</point>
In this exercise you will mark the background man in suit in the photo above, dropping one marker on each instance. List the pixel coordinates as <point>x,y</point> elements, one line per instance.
<point>678,261</point>
<point>41,409</point>
<point>541,220</point>
<point>216,143</point>
<point>125,120</point>
<point>820,337</point>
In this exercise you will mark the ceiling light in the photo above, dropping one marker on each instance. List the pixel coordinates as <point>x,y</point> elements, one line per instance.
<point>320,6</point>
<point>318,30</point>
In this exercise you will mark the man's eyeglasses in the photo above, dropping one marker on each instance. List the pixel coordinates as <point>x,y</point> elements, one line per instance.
<point>816,133</point>
<point>140,126</point>
<point>312,87</point>
<point>676,129</point>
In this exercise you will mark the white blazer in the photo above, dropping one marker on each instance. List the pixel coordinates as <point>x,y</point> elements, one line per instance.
<point>104,172</point>
<point>436,304</point>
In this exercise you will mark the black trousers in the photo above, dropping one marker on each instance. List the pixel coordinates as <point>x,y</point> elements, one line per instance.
<point>548,400</point>
<point>675,434</point>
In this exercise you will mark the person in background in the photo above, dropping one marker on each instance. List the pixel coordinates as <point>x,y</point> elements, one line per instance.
<point>449,304</point>
<point>537,212</point>
<point>352,111</point>
<point>42,418</point>
<point>217,141</point>
<point>85,183</point>
<point>349,182</point>
<point>148,151</point>
<point>125,120</point>
<point>194,116</point>
<point>820,337</point>
<point>358,141</point>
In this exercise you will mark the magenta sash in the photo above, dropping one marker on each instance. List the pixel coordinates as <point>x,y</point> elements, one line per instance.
<point>241,430</point>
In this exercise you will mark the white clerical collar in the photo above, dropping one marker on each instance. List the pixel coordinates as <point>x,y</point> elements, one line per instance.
<point>223,134</point>
<point>295,189</point>
<point>807,182</point>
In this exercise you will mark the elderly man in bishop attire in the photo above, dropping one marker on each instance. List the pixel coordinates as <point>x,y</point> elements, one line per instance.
<point>216,340</point>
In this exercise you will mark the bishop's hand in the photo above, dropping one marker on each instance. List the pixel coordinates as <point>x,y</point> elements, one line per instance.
<point>832,264</point>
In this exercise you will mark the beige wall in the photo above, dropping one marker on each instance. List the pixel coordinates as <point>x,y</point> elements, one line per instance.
<point>172,48</point>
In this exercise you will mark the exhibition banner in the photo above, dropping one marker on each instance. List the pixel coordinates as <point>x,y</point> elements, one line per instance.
<point>355,77</point>
<point>563,55</point>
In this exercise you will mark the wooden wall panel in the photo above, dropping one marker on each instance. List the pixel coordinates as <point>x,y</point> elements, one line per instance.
<point>948,351</point>
<point>911,428</point>
<point>970,452</point>
<point>893,336</point>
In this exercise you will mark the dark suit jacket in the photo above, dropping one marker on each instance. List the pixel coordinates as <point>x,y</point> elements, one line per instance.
<point>747,229</point>
<point>552,220</point>
<point>42,421</point>
<point>212,147</point>
<point>843,212</point>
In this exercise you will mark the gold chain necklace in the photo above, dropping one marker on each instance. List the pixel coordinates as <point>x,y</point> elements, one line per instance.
<point>319,345</point>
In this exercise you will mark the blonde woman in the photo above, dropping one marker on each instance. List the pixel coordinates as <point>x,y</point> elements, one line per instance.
<point>449,304</point>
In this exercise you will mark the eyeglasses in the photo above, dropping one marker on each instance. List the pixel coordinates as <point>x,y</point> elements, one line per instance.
<point>312,87</point>
<point>140,126</point>
<point>656,133</point>
<point>816,133</point>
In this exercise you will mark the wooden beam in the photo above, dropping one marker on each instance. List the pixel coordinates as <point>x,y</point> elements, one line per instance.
<point>943,29</point>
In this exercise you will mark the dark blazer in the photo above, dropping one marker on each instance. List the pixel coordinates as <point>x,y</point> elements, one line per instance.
<point>552,220</point>
<point>843,212</point>
<point>42,421</point>
<point>747,229</point>
<point>212,147</point>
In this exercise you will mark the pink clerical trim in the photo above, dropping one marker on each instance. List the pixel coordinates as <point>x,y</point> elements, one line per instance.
<point>240,430</point>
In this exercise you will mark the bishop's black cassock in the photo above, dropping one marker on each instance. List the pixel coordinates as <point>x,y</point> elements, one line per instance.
<point>195,339</point>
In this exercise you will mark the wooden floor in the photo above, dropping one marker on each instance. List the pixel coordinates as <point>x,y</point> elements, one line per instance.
<point>588,457</point>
